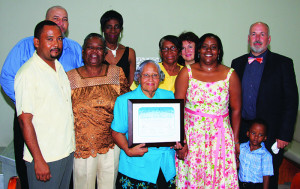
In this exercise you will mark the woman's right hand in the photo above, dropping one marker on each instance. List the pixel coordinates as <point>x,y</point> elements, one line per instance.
<point>137,151</point>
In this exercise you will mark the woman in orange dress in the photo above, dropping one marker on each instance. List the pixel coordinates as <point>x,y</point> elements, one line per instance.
<point>95,87</point>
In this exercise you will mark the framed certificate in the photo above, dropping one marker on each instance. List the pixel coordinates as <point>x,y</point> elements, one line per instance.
<point>155,122</point>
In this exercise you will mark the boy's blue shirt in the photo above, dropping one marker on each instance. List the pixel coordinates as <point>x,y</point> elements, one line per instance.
<point>254,165</point>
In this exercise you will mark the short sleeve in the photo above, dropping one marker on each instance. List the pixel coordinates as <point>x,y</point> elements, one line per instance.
<point>124,86</point>
<point>267,165</point>
<point>24,92</point>
<point>120,121</point>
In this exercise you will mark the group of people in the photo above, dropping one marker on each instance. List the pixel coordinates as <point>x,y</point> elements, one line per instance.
<point>71,109</point>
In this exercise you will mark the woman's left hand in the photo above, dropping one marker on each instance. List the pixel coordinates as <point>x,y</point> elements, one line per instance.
<point>177,146</point>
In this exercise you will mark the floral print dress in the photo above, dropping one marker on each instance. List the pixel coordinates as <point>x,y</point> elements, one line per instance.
<point>210,162</point>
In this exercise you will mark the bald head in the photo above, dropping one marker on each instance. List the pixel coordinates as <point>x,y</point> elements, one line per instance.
<point>58,15</point>
<point>260,23</point>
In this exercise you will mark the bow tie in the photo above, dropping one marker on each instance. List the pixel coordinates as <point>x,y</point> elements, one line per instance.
<point>251,59</point>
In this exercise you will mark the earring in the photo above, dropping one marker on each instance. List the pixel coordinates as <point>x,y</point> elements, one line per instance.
<point>121,35</point>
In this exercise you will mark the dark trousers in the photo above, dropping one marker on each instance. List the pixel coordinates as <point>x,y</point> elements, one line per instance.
<point>277,158</point>
<point>19,147</point>
<point>250,185</point>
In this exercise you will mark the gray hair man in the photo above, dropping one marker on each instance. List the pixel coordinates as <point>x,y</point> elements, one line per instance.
<point>269,92</point>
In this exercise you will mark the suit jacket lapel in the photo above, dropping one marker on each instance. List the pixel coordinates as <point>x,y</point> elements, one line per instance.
<point>265,81</point>
<point>267,69</point>
<point>243,66</point>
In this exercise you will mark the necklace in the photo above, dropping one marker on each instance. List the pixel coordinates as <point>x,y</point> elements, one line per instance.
<point>209,69</point>
<point>114,52</point>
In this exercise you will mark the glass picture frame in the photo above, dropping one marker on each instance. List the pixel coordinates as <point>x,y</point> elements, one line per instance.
<point>155,122</point>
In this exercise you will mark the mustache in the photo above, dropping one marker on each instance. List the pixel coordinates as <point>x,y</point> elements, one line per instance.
<point>258,42</point>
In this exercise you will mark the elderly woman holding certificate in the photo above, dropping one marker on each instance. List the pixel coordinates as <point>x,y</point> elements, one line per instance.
<point>142,166</point>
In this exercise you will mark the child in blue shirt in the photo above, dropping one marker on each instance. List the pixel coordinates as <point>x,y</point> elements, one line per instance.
<point>256,165</point>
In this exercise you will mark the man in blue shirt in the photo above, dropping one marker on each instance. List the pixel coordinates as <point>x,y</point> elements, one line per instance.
<point>269,92</point>
<point>70,58</point>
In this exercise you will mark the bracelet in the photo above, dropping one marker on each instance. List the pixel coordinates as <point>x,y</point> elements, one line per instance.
<point>236,142</point>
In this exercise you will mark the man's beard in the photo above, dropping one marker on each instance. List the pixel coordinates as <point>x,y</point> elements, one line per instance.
<point>257,49</point>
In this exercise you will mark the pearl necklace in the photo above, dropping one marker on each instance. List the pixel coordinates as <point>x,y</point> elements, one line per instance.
<point>114,52</point>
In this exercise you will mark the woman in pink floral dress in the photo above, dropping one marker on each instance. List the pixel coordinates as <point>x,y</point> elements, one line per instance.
<point>209,88</point>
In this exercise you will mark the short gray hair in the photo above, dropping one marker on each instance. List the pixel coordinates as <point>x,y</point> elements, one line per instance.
<point>140,69</point>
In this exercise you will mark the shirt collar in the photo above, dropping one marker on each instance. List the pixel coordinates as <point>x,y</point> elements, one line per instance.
<point>247,146</point>
<point>44,65</point>
<point>139,89</point>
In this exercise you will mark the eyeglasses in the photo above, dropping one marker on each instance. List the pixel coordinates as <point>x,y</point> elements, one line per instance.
<point>166,49</point>
<point>147,76</point>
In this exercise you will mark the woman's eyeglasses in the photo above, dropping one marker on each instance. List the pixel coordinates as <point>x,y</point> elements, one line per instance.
<point>147,76</point>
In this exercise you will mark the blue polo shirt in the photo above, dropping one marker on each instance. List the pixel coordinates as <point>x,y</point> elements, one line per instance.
<point>145,168</point>
<point>254,164</point>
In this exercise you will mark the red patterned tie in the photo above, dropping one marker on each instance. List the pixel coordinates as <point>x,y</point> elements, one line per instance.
<point>251,59</point>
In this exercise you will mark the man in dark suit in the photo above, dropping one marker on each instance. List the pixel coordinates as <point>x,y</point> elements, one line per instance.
<point>269,92</point>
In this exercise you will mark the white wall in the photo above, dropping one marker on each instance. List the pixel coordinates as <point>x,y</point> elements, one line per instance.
<point>145,22</point>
